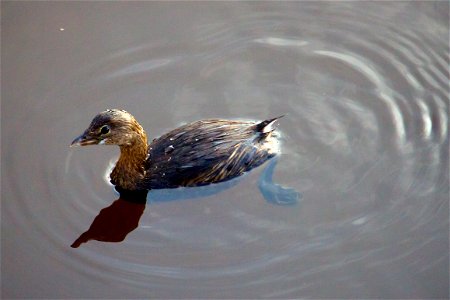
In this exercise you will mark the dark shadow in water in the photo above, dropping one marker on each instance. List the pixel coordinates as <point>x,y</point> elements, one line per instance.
<point>116,221</point>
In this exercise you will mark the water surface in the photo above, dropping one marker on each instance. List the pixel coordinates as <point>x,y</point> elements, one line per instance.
<point>365,141</point>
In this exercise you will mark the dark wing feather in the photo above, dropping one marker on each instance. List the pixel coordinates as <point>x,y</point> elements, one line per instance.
<point>204,152</point>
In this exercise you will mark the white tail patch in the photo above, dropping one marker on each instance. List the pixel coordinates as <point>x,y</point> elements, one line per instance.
<point>272,143</point>
<point>269,127</point>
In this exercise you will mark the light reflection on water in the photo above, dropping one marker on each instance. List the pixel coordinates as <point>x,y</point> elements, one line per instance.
<point>365,142</point>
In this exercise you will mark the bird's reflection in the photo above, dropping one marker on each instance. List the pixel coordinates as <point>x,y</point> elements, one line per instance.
<point>113,223</point>
<point>116,221</point>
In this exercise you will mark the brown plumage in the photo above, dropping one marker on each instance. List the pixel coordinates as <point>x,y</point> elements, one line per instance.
<point>198,153</point>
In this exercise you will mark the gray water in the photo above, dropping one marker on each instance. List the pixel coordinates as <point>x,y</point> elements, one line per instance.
<point>365,142</point>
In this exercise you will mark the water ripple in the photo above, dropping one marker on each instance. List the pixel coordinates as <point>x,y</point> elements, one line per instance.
<point>282,42</point>
<point>366,142</point>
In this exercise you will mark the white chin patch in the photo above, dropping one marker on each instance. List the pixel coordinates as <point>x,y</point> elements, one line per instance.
<point>102,142</point>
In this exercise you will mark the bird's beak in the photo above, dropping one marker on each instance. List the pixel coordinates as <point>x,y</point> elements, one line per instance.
<point>84,140</point>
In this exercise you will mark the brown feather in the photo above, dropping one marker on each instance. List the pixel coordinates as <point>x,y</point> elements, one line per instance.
<point>198,153</point>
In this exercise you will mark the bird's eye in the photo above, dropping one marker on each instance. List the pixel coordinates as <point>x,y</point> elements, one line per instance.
<point>104,129</point>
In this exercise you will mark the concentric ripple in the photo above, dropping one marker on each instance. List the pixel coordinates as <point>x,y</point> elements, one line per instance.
<point>365,143</point>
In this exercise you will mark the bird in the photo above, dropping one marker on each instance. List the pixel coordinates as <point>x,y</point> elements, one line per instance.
<point>195,154</point>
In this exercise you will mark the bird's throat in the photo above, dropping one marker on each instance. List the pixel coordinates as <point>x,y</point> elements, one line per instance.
<point>130,168</point>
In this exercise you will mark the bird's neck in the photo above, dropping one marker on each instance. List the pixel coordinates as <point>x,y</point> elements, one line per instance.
<point>130,168</point>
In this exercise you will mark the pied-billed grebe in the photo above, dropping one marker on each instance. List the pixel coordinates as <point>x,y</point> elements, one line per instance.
<point>198,153</point>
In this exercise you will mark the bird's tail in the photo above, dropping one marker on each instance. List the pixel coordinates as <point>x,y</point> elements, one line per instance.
<point>267,125</point>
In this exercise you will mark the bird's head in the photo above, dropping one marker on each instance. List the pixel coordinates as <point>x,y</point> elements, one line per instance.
<point>112,127</point>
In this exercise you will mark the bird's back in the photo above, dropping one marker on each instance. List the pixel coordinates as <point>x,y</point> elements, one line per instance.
<point>208,151</point>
